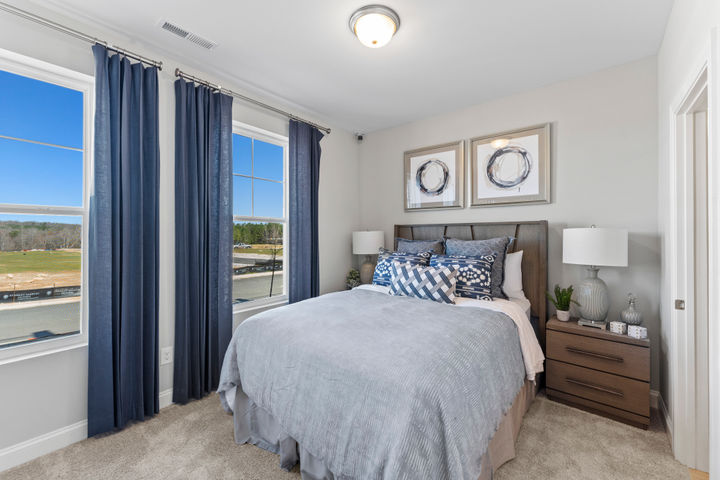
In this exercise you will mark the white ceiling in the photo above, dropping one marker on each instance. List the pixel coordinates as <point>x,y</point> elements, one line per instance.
<point>446,55</point>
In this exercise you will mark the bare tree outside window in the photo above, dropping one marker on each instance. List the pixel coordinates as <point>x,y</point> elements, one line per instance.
<point>274,238</point>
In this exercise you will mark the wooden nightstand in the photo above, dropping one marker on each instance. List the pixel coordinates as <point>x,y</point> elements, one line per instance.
<point>599,371</point>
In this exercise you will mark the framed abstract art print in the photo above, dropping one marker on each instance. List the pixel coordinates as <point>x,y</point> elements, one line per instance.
<point>435,177</point>
<point>511,167</point>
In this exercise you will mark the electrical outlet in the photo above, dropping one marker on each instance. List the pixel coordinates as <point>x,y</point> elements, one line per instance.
<point>166,355</point>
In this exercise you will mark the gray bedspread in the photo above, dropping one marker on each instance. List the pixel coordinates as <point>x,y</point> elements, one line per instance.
<point>381,387</point>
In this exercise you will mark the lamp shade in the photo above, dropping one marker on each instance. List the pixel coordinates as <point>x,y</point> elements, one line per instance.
<point>600,247</point>
<point>368,243</point>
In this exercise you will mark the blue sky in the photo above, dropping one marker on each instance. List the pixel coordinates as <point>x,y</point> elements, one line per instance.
<point>36,174</point>
<point>40,111</point>
<point>268,164</point>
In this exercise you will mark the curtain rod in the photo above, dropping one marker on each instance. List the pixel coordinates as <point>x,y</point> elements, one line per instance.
<point>192,78</point>
<point>74,33</point>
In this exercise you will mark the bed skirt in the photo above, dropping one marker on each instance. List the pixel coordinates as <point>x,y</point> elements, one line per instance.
<point>256,426</point>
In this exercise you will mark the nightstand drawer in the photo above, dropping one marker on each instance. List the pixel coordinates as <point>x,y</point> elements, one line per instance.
<point>619,392</point>
<point>613,357</point>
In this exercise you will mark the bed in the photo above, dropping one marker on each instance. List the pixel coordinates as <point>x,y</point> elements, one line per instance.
<point>361,384</point>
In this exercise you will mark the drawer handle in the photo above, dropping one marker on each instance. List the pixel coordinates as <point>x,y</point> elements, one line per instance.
<point>611,391</point>
<point>612,358</point>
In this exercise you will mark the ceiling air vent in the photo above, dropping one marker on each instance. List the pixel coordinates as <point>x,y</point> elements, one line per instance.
<point>193,37</point>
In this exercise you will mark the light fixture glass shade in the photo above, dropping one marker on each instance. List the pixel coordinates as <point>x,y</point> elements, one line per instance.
<point>368,243</point>
<point>602,247</point>
<point>374,25</point>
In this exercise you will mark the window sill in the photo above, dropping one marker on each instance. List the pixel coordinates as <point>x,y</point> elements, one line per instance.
<point>41,348</point>
<point>260,304</point>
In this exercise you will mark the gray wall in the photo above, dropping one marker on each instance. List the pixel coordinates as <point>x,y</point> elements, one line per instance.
<point>604,172</point>
<point>49,392</point>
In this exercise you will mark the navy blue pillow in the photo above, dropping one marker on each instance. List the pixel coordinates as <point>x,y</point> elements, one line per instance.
<point>491,246</point>
<point>419,246</point>
<point>383,269</point>
<point>473,274</point>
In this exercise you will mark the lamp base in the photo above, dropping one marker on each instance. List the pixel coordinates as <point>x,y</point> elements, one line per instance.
<point>367,270</point>
<point>592,295</point>
<point>592,323</point>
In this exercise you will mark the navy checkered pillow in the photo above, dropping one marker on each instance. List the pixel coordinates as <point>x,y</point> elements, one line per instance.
<point>473,274</point>
<point>385,258</point>
<point>430,283</point>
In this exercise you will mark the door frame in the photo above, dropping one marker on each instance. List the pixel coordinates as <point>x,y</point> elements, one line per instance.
<point>705,81</point>
<point>713,196</point>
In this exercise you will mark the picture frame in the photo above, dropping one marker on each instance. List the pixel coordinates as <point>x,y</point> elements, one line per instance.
<point>435,177</point>
<point>511,167</point>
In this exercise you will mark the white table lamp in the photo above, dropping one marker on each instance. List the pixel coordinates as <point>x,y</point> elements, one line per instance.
<point>594,247</point>
<point>367,243</point>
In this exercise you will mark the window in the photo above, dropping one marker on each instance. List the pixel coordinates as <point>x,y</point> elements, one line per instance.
<point>259,215</point>
<point>44,134</point>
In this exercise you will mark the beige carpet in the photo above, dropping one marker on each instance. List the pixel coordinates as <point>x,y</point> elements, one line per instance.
<point>560,442</point>
<point>195,441</point>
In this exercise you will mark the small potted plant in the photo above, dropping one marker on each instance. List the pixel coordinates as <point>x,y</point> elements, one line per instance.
<point>562,301</point>
<point>352,279</point>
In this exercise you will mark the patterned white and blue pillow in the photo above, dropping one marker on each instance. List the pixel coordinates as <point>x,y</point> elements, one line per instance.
<point>475,248</point>
<point>385,258</point>
<point>418,246</point>
<point>429,283</point>
<point>473,274</point>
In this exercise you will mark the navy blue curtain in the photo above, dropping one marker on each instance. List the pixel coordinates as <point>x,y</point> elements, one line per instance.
<point>203,231</point>
<point>123,245</point>
<point>304,170</point>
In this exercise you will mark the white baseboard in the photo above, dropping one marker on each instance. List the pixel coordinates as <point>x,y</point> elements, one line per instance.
<point>667,419</point>
<point>654,396</point>
<point>166,398</point>
<point>36,447</point>
<point>657,402</point>
<point>49,442</point>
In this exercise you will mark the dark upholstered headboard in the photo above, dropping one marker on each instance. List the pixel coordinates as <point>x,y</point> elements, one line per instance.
<point>530,237</point>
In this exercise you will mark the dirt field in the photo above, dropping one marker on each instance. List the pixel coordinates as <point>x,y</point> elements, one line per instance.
<point>39,269</point>
<point>33,280</point>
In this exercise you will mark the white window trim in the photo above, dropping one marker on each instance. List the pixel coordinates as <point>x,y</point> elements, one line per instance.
<point>263,135</point>
<point>47,72</point>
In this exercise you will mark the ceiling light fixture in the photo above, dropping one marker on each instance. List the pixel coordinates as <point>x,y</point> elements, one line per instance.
<point>374,25</point>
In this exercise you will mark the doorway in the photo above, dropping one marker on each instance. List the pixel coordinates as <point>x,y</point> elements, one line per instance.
<point>691,279</point>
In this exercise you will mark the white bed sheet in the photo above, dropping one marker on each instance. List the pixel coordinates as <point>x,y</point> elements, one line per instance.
<point>518,309</point>
<point>523,303</point>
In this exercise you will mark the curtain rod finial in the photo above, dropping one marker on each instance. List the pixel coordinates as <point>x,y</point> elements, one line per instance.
<point>177,72</point>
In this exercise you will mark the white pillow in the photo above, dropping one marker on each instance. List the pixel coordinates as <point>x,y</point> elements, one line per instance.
<point>512,284</point>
